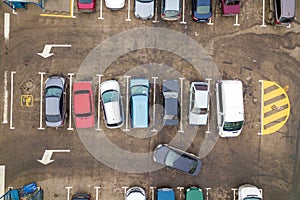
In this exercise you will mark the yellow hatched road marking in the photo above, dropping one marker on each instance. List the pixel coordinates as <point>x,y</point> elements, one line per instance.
<point>274,128</point>
<point>267,84</point>
<point>273,94</point>
<point>275,116</point>
<point>277,104</point>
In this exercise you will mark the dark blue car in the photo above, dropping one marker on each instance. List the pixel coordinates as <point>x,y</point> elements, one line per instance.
<point>201,10</point>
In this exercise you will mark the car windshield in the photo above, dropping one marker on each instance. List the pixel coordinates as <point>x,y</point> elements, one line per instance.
<point>252,198</point>
<point>199,110</point>
<point>202,9</point>
<point>233,126</point>
<point>53,92</point>
<point>110,96</point>
<point>138,90</point>
<point>85,1</point>
<point>232,2</point>
<point>171,157</point>
<point>193,166</point>
<point>171,13</point>
<point>53,118</point>
<point>145,1</point>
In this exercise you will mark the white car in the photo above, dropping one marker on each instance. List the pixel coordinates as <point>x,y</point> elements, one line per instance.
<point>115,4</point>
<point>199,102</point>
<point>112,104</point>
<point>135,193</point>
<point>249,192</point>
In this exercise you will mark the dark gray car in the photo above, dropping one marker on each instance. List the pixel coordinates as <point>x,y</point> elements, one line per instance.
<point>170,97</point>
<point>177,159</point>
<point>144,9</point>
<point>55,101</point>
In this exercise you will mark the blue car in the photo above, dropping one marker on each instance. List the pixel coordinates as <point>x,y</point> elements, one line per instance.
<point>201,10</point>
<point>165,194</point>
<point>139,107</point>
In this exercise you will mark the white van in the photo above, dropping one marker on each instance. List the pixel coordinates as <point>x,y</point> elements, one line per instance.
<point>230,107</point>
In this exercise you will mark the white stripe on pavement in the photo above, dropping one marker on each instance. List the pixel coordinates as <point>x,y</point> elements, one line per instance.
<point>6,25</point>
<point>5,100</point>
<point>2,180</point>
<point>11,98</point>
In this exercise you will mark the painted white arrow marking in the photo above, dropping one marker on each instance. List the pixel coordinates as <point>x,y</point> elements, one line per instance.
<point>48,154</point>
<point>46,52</point>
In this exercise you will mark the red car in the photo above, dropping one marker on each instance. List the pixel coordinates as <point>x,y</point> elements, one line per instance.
<point>86,5</point>
<point>83,105</point>
<point>230,7</point>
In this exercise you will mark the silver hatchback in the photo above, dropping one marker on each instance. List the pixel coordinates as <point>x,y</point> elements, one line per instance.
<point>144,9</point>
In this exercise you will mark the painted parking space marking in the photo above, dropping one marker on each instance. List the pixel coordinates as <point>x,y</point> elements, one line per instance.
<point>181,102</point>
<point>208,105</point>
<point>97,192</point>
<point>207,189</point>
<point>127,103</point>
<point>41,101</point>
<point>234,193</point>
<point>47,48</point>
<point>210,22</point>
<point>62,16</point>
<point>125,190</point>
<point>180,192</point>
<point>70,103</point>
<point>11,99</point>
<point>275,107</point>
<point>6,25</point>
<point>5,99</point>
<point>2,180</point>
<point>236,21</point>
<point>26,100</point>
<point>152,192</point>
<point>156,12</point>
<point>68,192</point>
<point>128,13</point>
<point>263,15</point>
<point>154,91</point>
<point>101,10</point>
<point>183,8</point>
<point>99,99</point>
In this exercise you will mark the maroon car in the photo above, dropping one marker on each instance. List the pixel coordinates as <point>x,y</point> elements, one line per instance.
<point>230,7</point>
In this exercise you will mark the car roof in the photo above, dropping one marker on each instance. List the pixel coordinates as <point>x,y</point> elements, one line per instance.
<point>165,194</point>
<point>82,101</point>
<point>171,106</point>
<point>201,94</point>
<point>52,107</point>
<point>288,8</point>
<point>139,111</point>
<point>172,5</point>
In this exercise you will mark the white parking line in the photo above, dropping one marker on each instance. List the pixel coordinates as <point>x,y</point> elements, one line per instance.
<point>98,119</point>
<point>70,103</point>
<point>2,180</point>
<point>125,190</point>
<point>11,98</point>
<point>154,91</point>
<point>72,9</point>
<point>128,14</point>
<point>101,8</point>
<point>208,107</point>
<point>5,100</point>
<point>127,103</point>
<point>234,191</point>
<point>210,22</point>
<point>180,192</point>
<point>183,8</point>
<point>6,25</point>
<point>181,104</point>
<point>152,192</point>
<point>97,192</point>
<point>207,192</point>
<point>263,19</point>
<point>41,101</point>
<point>236,21</point>
<point>68,192</point>
<point>156,17</point>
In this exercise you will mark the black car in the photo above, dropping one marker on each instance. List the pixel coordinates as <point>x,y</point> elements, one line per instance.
<point>170,98</point>
<point>177,159</point>
<point>201,10</point>
<point>81,196</point>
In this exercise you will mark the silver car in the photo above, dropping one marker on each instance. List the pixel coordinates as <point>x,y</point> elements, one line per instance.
<point>112,104</point>
<point>144,9</point>
<point>135,193</point>
<point>55,101</point>
<point>199,102</point>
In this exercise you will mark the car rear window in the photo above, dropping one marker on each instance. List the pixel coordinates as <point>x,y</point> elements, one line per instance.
<point>203,9</point>
<point>53,92</point>
<point>85,1</point>
<point>171,13</point>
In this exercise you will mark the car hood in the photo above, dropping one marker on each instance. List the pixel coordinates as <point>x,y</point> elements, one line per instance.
<point>115,4</point>
<point>87,6</point>
<point>231,9</point>
<point>160,153</point>
<point>140,111</point>
<point>136,196</point>
<point>144,10</point>
<point>85,122</point>
<point>113,112</point>
<point>249,191</point>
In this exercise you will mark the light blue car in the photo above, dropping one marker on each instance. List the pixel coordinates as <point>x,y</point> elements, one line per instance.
<point>165,194</point>
<point>139,106</point>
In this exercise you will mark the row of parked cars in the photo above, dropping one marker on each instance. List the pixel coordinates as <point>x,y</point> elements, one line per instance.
<point>245,192</point>
<point>284,10</point>
<point>229,97</point>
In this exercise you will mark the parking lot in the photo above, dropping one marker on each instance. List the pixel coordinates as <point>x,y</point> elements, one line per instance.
<point>114,47</point>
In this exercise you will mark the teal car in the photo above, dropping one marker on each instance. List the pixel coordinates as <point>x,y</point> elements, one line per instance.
<point>194,193</point>
<point>139,106</point>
